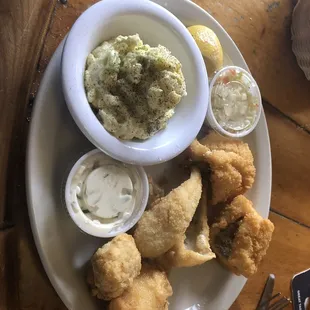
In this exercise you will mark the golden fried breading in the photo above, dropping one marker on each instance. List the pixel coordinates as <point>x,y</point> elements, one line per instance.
<point>240,237</point>
<point>215,141</point>
<point>114,267</point>
<point>193,248</point>
<point>149,291</point>
<point>160,227</point>
<point>231,163</point>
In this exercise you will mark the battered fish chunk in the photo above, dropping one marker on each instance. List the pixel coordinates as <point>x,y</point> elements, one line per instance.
<point>149,291</point>
<point>193,248</point>
<point>160,227</point>
<point>240,237</point>
<point>114,267</point>
<point>231,163</point>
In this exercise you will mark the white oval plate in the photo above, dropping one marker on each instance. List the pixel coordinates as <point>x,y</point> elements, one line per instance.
<point>55,143</point>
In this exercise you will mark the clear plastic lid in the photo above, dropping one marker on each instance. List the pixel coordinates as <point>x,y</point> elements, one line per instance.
<point>235,102</point>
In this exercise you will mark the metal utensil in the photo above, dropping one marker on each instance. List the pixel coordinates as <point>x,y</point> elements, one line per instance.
<point>278,303</point>
<point>267,293</point>
<point>269,301</point>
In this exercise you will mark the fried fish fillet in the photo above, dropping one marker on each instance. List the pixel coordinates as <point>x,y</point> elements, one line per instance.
<point>193,248</point>
<point>114,267</point>
<point>231,163</point>
<point>149,291</point>
<point>160,227</point>
<point>240,237</point>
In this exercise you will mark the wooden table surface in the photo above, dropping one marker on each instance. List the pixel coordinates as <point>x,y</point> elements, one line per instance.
<point>30,31</point>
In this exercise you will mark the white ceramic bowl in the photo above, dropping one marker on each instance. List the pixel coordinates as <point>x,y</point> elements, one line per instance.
<point>155,25</point>
<point>116,227</point>
<point>253,89</point>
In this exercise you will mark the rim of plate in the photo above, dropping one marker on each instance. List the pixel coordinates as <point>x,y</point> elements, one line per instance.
<point>30,187</point>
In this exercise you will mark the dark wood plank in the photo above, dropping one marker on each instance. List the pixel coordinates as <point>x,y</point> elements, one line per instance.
<point>8,270</point>
<point>261,30</point>
<point>274,67</point>
<point>35,289</point>
<point>23,25</point>
<point>64,17</point>
<point>290,149</point>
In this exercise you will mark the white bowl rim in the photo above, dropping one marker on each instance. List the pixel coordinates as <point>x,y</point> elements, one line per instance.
<point>104,140</point>
<point>216,126</point>
<point>79,220</point>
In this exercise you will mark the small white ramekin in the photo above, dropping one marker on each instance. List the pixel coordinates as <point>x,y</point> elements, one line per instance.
<point>100,230</point>
<point>211,120</point>
<point>155,25</point>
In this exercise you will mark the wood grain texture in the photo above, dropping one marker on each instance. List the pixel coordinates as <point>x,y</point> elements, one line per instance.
<point>261,30</point>
<point>35,289</point>
<point>9,296</point>
<point>64,17</point>
<point>23,27</point>
<point>290,146</point>
<point>288,254</point>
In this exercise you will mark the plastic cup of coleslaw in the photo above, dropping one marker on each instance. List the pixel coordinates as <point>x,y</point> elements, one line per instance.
<point>235,102</point>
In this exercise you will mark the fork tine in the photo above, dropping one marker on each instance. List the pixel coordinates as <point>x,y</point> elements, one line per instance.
<point>280,304</point>
<point>265,303</point>
<point>283,306</point>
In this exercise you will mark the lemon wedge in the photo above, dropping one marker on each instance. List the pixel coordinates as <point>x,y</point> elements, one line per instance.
<point>209,46</point>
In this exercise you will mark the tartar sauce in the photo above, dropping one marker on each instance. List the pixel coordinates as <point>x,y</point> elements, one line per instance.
<point>234,105</point>
<point>104,191</point>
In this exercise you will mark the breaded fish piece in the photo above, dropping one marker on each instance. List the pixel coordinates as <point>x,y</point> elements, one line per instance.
<point>149,291</point>
<point>231,163</point>
<point>160,227</point>
<point>114,267</point>
<point>193,248</point>
<point>240,237</point>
